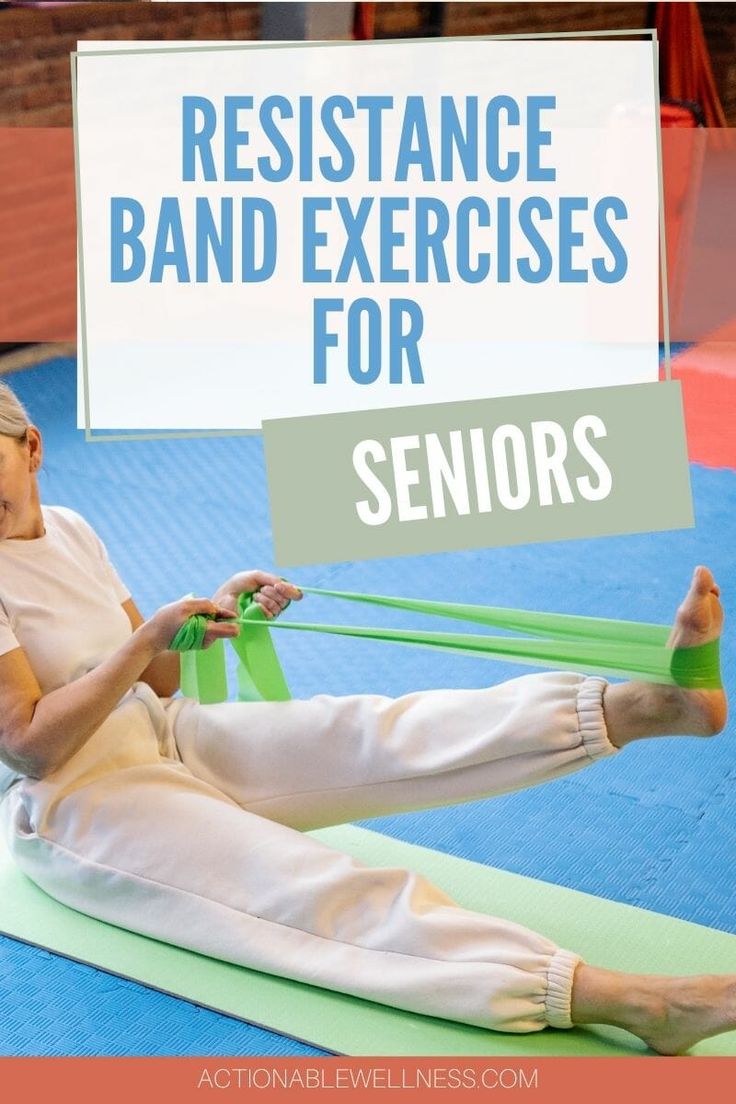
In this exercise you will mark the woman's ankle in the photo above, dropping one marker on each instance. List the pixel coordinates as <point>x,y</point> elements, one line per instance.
<point>629,1001</point>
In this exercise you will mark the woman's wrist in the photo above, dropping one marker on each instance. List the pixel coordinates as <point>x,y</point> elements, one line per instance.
<point>144,643</point>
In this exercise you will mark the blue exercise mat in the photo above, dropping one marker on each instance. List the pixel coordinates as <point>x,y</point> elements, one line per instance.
<point>653,827</point>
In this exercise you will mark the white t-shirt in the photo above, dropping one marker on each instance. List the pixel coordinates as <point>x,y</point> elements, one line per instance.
<point>60,601</point>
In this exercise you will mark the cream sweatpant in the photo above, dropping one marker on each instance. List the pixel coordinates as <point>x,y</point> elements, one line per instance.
<point>185,822</point>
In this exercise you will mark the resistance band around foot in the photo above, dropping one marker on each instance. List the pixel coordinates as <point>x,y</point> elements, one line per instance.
<point>589,645</point>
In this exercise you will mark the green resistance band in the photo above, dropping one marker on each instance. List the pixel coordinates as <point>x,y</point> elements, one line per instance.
<point>589,645</point>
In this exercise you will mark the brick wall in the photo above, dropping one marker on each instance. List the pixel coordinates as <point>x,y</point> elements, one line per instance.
<point>400,20</point>
<point>35,45</point>
<point>502,18</point>
<point>719,24</point>
<point>477,18</point>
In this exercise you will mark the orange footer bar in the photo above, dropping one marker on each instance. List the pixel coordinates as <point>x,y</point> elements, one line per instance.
<point>544,1080</point>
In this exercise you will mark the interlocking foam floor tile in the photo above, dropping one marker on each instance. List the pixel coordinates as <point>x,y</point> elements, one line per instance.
<point>653,826</point>
<point>70,1008</point>
<point>610,933</point>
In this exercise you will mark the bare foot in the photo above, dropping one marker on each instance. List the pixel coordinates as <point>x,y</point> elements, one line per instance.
<point>700,616</point>
<point>700,620</point>
<point>686,1010</point>
<point>638,710</point>
<point>670,1014</point>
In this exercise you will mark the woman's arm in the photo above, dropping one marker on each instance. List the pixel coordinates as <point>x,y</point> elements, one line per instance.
<point>39,732</point>
<point>163,673</point>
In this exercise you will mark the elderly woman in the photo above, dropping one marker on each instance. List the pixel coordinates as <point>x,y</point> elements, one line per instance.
<point>185,822</point>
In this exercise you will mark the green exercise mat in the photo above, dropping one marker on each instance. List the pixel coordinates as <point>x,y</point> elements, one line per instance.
<point>603,932</point>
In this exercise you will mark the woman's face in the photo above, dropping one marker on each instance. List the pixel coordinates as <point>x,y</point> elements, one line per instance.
<point>19,461</point>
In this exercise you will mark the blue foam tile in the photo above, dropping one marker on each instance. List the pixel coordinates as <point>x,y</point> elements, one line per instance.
<point>605,844</point>
<point>53,1006</point>
<point>677,772</point>
<point>703,879</point>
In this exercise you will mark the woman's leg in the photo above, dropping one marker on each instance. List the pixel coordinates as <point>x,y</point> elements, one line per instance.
<point>476,743</point>
<point>151,848</point>
<point>329,759</point>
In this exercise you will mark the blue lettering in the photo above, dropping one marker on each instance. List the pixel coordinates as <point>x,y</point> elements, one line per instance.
<point>535,239</point>
<point>197,141</point>
<point>169,226</point>
<point>305,138</point>
<point>372,312</point>
<point>456,139</point>
<point>331,106</point>
<point>312,239</point>
<point>354,252</point>
<point>208,239</point>
<point>235,138</point>
<point>471,205</point>
<point>251,272</point>
<point>617,207</point>
<point>322,339</point>
<point>496,171</point>
<point>535,138</point>
<point>503,240</point>
<point>391,239</point>
<point>405,344</point>
<point>431,241</point>
<point>414,126</point>
<point>282,171</point>
<point>130,237</point>
<point>375,106</point>
<point>570,239</point>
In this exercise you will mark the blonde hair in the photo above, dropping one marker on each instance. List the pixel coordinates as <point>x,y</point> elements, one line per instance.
<point>14,420</point>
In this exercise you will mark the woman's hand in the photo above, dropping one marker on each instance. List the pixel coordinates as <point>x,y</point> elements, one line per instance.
<point>39,732</point>
<point>162,627</point>
<point>269,591</point>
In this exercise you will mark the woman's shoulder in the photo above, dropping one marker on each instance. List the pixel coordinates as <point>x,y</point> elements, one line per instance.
<point>67,521</point>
